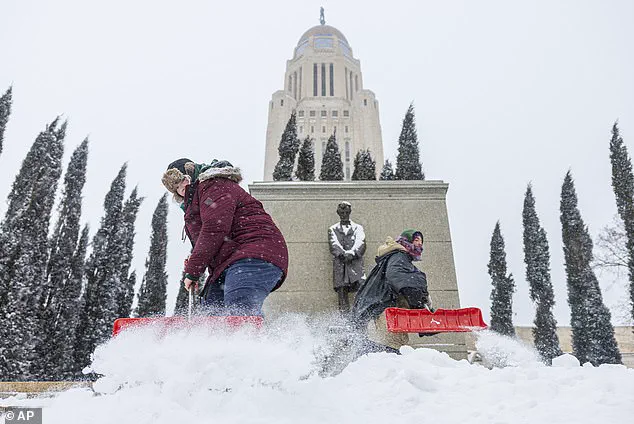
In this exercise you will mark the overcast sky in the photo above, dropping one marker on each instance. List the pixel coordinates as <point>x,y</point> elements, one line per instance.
<point>506,92</point>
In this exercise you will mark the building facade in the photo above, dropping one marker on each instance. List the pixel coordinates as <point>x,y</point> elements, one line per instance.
<point>323,83</point>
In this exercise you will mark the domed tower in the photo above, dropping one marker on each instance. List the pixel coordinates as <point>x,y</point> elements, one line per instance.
<point>324,85</point>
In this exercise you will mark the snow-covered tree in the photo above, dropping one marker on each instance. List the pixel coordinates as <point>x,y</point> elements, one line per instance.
<point>5,111</point>
<point>623,186</point>
<point>125,292</point>
<point>66,233</point>
<point>408,166</point>
<point>364,166</point>
<point>181,298</point>
<point>99,301</point>
<point>331,164</point>
<point>503,287</point>
<point>71,296</point>
<point>129,285</point>
<point>387,173</point>
<point>62,249</point>
<point>592,332</point>
<point>24,251</point>
<point>306,161</point>
<point>287,150</point>
<point>154,286</point>
<point>537,259</point>
<point>56,354</point>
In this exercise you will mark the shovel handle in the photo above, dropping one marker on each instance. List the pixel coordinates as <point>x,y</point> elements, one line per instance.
<point>191,302</point>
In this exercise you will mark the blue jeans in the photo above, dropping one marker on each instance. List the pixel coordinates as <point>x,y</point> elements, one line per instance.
<point>247,283</point>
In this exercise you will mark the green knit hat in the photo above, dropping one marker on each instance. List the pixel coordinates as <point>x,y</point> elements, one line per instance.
<point>410,234</point>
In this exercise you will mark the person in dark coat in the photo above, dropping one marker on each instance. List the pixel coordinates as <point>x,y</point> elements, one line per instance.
<point>231,235</point>
<point>347,246</point>
<point>393,275</point>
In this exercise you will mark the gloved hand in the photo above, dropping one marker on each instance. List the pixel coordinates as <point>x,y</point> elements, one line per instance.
<point>189,283</point>
<point>349,255</point>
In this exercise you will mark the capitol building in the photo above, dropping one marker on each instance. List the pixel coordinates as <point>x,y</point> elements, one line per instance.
<point>323,84</point>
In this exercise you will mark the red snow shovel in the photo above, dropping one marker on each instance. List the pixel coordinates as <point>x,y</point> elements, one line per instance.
<point>401,320</point>
<point>165,324</point>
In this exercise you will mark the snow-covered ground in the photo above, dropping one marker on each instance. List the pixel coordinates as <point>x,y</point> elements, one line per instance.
<point>272,376</point>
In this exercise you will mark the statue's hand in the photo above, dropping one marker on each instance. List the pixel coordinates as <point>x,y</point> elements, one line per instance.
<point>349,255</point>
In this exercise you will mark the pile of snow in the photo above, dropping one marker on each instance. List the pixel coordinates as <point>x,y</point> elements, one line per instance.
<point>501,351</point>
<point>272,376</point>
<point>566,361</point>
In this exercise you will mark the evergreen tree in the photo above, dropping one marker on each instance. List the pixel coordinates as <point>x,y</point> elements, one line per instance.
<point>125,291</point>
<point>408,166</point>
<point>154,286</point>
<point>537,259</point>
<point>23,251</point>
<point>306,161</point>
<point>387,173</point>
<point>69,315</point>
<point>503,287</point>
<point>129,284</point>
<point>99,300</point>
<point>57,352</point>
<point>592,333</point>
<point>623,186</point>
<point>331,164</point>
<point>289,145</point>
<point>364,166</point>
<point>62,246</point>
<point>64,239</point>
<point>182,297</point>
<point>5,111</point>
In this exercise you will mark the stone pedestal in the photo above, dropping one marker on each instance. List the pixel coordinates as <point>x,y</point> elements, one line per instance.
<point>304,211</point>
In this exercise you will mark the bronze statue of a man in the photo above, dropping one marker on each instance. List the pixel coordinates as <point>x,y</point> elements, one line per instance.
<point>347,245</point>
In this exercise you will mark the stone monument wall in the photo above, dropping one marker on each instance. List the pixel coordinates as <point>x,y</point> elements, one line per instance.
<point>304,211</point>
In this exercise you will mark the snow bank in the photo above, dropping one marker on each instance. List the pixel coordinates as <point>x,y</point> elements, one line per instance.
<point>271,376</point>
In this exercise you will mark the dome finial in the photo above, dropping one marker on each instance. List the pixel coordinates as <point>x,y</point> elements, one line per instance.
<point>322,20</point>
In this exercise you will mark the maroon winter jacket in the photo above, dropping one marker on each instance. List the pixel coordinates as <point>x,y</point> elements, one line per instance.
<point>226,224</point>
